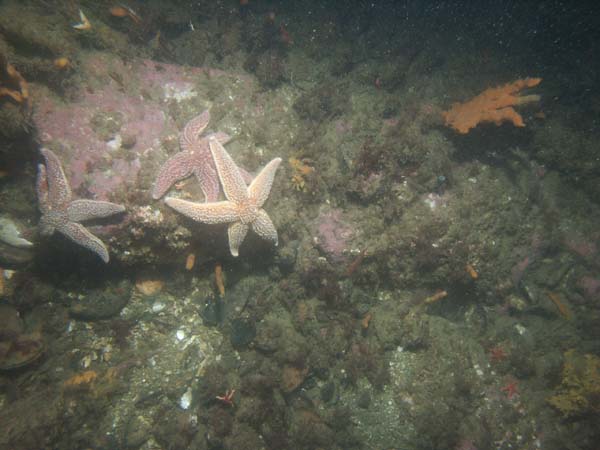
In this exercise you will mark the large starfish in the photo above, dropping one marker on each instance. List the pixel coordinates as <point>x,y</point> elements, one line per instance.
<point>243,207</point>
<point>194,158</point>
<point>61,213</point>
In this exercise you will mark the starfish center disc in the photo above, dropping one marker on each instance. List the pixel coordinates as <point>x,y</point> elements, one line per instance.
<point>247,211</point>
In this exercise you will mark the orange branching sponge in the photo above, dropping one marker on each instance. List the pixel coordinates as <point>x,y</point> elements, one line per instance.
<point>492,105</point>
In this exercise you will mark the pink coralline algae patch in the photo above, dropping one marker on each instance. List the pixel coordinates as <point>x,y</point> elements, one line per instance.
<point>333,235</point>
<point>342,127</point>
<point>93,160</point>
<point>518,270</point>
<point>590,287</point>
<point>585,248</point>
<point>97,163</point>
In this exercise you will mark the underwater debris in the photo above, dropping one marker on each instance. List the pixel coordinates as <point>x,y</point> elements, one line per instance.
<point>493,105</point>
<point>561,306</point>
<point>84,24</point>
<point>436,297</point>
<point>124,11</point>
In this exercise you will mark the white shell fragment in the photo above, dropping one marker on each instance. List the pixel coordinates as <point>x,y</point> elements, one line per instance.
<point>186,399</point>
<point>10,234</point>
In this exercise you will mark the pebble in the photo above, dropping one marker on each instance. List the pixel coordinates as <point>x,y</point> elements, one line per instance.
<point>158,306</point>
<point>186,399</point>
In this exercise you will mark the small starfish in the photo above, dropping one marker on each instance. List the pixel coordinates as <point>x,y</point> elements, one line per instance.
<point>60,213</point>
<point>511,389</point>
<point>243,207</point>
<point>497,354</point>
<point>227,398</point>
<point>194,158</point>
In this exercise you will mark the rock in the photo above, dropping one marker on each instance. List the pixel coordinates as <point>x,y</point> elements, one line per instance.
<point>328,391</point>
<point>292,377</point>
<point>137,432</point>
<point>364,400</point>
<point>101,304</point>
<point>21,351</point>
<point>333,235</point>
<point>17,348</point>
<point>242,333</point>
<point>212,313</point>
<point>14,257</point>
<point>286,257</point>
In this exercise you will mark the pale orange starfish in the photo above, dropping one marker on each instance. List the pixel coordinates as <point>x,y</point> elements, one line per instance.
<point>194,158</point>
<point>61,213</point>
<point>243,207</point>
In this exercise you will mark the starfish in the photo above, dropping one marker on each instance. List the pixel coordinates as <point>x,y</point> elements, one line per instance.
<point>61,213</point>
<point>194,158</point>
<point>227,398</point>
<point>243,207</point>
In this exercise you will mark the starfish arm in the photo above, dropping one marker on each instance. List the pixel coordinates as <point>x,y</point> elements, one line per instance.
<point>177,167</point>
<point>263,226</point>
<point>209,182</point>
<point>79,210</point>
<point>191,132</point>
<point>237,232</point>
<point>223,138</point>
<point>41,187</point>
<point>216,212</point>
<point>260,187</point>
<point>81,236</point>
<point>59,191</point>
<point>247,176</point>
<point>47,224</point>
<point>231,179</point>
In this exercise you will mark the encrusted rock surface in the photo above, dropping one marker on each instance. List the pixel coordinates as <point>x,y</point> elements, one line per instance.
<point>122,124</point>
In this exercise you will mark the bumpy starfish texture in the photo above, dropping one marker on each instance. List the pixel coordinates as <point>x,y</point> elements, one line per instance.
<point>195,158</point>
<point>61,213</point>
<point>243,207</point>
